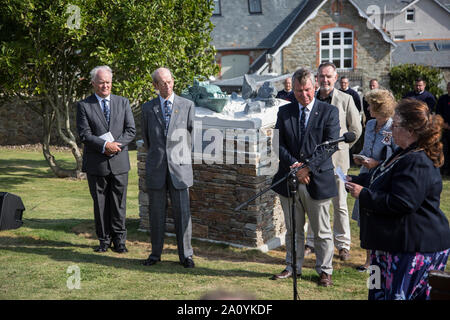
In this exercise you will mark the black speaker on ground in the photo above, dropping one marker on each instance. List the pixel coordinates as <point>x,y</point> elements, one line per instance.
<point>11,210</point>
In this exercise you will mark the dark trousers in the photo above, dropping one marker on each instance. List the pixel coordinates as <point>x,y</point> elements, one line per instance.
<point>109,194</point>
<point>179,199</point>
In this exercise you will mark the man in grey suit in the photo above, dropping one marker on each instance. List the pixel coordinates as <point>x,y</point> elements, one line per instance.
<point>349,121</point>
<point>167,124</point>
<point>106,126</point>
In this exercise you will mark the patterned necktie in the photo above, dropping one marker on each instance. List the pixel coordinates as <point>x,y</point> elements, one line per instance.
<point>302,125</point>
<point>106,110</point>
<point>167,114</point>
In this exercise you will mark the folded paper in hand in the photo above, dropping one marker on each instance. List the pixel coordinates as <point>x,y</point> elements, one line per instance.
<point>361,157</point>
<point>341,174</point>
<point>108,137</point>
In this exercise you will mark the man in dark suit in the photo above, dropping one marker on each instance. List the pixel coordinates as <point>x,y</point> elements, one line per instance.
<point>167,124</point>
<point>345,87</point>
<point>419,93</point>
<point>373,84</point>
<point>443,109</point>
<point>286,93</point>
<point>106,126</point>
<point>302,126</point>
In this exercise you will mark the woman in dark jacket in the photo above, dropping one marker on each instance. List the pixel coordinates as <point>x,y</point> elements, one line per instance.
<point>399,207</point>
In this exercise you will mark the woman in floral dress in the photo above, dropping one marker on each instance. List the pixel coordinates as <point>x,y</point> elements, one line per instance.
<point>400,218</point>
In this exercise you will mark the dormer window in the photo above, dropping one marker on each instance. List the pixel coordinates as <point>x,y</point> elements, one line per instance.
<point>254,6</point>
<point>217,9</point>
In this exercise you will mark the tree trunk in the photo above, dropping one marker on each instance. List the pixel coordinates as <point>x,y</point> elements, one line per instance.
<point>49,117</point>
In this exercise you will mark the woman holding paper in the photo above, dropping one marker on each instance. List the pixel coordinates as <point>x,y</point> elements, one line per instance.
<point>401,221</point>
<point>378,144</point>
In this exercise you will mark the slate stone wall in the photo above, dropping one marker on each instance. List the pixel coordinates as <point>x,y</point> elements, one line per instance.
<point>217,190</point>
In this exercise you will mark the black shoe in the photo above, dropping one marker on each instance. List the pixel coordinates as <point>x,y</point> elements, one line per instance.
<point>362,268</point>
<point>150,261</point>
<point>121,248</point>
<point>103,247</point>
<point>284,275</point>
<point>188,263</point>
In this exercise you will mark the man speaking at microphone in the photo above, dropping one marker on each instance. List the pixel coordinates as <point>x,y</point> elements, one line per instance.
<point>302,126</point>
<point>349,121</point>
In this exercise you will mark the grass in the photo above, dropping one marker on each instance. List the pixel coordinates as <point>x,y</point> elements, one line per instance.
<point>58,232</point>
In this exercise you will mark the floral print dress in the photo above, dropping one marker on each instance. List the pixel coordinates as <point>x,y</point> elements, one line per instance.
<point>403,276</point>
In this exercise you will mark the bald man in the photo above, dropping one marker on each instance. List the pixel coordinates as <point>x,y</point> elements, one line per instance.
<point>167,124</point>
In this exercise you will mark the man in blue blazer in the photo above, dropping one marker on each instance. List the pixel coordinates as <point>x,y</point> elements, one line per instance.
<point>105,125</point>
<point>302,126</point>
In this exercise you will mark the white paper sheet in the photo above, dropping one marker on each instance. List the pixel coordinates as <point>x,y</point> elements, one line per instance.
<point>108,137</point>
<point>340,174</point>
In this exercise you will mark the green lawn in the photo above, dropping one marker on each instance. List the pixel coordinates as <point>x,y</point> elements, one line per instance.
<point>58,233</point>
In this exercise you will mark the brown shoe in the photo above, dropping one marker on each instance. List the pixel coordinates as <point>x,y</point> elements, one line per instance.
<point>308,250</point>
<point>344,254</point>
<point>284,275</point>
<point>325,280</point>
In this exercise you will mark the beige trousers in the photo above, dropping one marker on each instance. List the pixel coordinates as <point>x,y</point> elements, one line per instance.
<point>319,217</point>
<point>341,220</point>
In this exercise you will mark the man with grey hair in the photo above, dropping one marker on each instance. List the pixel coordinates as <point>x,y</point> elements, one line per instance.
<point>350,121</point>
<point>167,125</point>
<point>106,127</point>
<point>302,126</point>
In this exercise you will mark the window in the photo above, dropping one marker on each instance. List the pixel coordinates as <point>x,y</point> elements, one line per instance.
<point>442,46</point>
<point>410,15</point>
<point>336,45</point>
<point>399,37</point>
<point>217,9</point>
<point>421,46</point>
<point>254,6</point>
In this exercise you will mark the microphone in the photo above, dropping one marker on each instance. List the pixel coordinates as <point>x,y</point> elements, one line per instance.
<point>348,137</point>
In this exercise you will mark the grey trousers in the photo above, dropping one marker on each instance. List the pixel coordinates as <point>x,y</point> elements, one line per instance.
<point>319,218</point>
<point>181,213</point>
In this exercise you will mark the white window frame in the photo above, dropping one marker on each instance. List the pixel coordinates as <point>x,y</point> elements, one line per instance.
<point>410,13</point>
<point>339,47</point>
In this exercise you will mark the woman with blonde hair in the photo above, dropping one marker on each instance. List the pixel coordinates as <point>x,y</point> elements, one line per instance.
<point>401,221</point>
<point>378,144</point>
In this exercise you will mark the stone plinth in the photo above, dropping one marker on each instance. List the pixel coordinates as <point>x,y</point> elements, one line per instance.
<point>225,180</point>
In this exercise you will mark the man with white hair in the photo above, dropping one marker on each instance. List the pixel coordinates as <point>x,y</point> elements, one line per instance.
<point>167,125</point>
<point>106,127</point>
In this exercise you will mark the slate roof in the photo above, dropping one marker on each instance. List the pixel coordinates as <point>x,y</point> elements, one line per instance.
<point>405,53</point>
<point>444,4</point>
<point>392,6</point>
<point>397,6</point>
<point>237,29</point>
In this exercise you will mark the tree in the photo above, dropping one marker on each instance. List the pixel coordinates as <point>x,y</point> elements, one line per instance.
<point>402,78</point>
<point>47,49</point>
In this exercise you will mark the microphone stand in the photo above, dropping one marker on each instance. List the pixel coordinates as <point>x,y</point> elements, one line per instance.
<point>320,154</point>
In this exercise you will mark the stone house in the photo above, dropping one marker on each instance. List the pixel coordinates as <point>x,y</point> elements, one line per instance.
<point>364,38</point>
<point>405,23</point>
